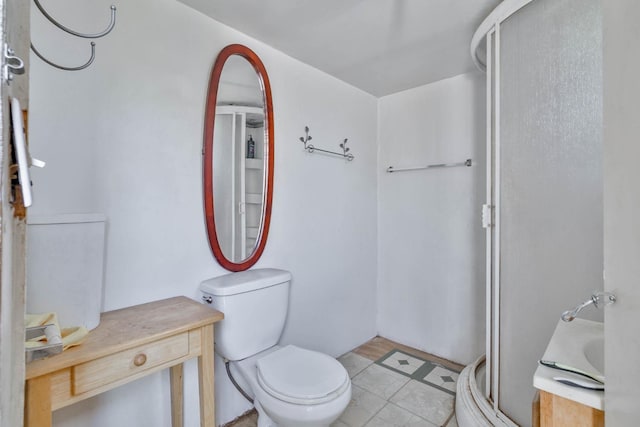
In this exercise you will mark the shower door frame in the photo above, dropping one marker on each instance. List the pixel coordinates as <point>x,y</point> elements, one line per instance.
<point>490,30</point>
<point>492,366</point>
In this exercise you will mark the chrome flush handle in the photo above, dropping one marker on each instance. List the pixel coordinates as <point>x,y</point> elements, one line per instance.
<point>599,299</point>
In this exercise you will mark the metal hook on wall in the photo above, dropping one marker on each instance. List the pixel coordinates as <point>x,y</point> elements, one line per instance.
<point>103,33</point>
<point>62,67</point>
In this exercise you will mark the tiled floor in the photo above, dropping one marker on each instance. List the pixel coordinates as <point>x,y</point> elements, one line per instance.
<point>393,386</point>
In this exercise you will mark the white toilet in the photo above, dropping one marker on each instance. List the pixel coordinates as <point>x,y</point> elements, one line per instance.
<point>292,387</point>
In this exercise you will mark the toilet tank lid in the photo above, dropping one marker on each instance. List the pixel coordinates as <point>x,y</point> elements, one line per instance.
<point>244,281</point>
<point>65,218</point>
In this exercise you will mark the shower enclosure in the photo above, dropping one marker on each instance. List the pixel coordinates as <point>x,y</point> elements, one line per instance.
<point>543,213</point>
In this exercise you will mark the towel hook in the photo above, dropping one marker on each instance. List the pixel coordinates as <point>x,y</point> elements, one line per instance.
<point>76,33</point>
<point>103,33</point>
<point>62,67</point>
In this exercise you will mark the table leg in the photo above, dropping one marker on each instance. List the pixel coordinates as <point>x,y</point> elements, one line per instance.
<point>205,378</point>
<point>37,411</point>
<point>177,395</point>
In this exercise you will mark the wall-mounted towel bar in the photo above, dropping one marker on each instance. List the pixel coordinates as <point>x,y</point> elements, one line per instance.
<point>312,149</point>
<point>392,169</point>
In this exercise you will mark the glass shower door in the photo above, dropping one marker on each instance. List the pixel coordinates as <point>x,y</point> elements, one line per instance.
<point>545,146</point>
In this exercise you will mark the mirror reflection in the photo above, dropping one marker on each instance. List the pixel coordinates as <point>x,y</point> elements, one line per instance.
<point>239,159</point>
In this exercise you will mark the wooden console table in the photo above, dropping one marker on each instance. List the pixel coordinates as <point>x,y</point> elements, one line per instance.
<point>129,344</point>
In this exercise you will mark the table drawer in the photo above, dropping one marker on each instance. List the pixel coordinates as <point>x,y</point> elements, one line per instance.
<point>108,369</point>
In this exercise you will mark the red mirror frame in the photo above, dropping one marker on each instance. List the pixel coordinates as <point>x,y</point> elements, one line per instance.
<point>209,122</point>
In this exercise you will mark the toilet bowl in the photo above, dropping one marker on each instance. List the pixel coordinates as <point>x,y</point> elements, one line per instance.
<point>292,386</point>
<point>295,387</point>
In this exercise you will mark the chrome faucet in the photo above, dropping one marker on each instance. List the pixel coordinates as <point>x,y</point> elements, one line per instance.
<point>599,299</point>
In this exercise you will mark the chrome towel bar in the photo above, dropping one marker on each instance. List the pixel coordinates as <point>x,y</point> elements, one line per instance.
<point>392,169</point>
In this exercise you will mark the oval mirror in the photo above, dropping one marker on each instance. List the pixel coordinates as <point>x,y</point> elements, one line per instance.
<point>238,158</point>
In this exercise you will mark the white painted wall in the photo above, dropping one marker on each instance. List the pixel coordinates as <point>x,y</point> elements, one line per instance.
<point>431,243</point>
<point>124,138</point>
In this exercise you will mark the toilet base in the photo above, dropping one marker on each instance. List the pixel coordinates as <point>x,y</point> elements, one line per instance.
<point>263,418</point>
<point>281,414</point>
<point>273,412</point>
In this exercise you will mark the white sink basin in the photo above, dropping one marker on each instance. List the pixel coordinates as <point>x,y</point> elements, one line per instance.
<point>594,352</point>
<point>578,344</point>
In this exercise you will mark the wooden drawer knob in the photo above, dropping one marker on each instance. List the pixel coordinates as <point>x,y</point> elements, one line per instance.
<point>140,359</point>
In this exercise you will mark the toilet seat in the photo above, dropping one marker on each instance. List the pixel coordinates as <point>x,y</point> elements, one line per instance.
<point>300,376</point>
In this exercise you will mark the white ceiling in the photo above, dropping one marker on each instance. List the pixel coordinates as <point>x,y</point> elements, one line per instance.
<point>379,46</point>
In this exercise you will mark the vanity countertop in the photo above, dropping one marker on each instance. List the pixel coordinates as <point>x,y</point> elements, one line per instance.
<point>567,346</point>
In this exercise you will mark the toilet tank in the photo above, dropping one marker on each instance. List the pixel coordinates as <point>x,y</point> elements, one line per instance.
<point>254,303</point>
<point>65,267</point>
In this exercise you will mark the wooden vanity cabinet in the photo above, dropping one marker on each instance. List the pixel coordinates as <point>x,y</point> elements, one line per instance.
<point>552,410</point>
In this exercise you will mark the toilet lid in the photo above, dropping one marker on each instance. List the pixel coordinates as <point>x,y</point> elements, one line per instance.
<point>296,375</point>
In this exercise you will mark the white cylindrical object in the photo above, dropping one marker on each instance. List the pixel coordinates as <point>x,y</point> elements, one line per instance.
<point>52,332</point>
<point>65,264</point>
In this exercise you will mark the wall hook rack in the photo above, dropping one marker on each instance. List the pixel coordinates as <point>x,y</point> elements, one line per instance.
<point>311,148</point>
<point>97,35</point>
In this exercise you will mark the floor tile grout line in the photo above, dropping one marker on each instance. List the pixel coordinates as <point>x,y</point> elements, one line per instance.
<point>451,415</point>
<point>398,391</point>
<point>413,413</point>
<point>374,415</point>
<point>378,411</point>
<point>389,402</point>
<point>359,372</point>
